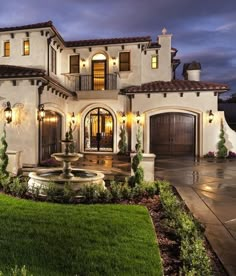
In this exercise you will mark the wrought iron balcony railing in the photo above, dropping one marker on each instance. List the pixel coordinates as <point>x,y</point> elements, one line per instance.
<point>91,82</point>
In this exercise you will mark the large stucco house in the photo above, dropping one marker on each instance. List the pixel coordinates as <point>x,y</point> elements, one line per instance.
<point>101,85</point>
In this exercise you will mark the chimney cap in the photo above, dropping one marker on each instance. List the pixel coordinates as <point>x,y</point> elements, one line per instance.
<point>194,65</point>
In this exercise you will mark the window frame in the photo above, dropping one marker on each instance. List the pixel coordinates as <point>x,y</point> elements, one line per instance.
<point>124,62</point>
<point>155,64</point>
<point>6,52</point>
<point>77,65</point>
<point>53,60</point>
<point>25,47</point>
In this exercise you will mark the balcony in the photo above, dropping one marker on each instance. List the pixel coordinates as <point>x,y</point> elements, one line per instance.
<point>98,82</point>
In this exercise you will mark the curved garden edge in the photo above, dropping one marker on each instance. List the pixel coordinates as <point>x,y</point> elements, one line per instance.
<point>162,208</point>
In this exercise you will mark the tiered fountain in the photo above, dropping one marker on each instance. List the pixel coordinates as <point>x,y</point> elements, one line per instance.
<point>77,178</point>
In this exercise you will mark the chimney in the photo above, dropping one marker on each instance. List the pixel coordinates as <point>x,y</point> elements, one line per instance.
<point>191,71</point>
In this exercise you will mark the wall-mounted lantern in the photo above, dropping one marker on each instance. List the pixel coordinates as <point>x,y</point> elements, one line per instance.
<point>114,61</point>
<point>83,62</point>
<point>41,112</point>
<point>123,118</point>
<point>211,116</point>
<point>73,119</point>
<point>138,117</point>
<point>8,113</point>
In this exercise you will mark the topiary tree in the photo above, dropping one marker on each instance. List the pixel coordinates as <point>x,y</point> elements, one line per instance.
<point>222,149</point>
<point>122,145</point>
<point>3,155</point>
<point>70,137</point>
<point>138,176</point>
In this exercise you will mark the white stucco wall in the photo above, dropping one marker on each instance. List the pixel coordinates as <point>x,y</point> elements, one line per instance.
<point>38,49</point>
<point>207,135</point>
<point>22,132</point>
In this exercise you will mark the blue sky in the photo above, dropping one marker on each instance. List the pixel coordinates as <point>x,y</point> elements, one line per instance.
<point>204,31</point>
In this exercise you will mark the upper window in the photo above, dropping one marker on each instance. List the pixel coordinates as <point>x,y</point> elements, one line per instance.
<point>74,64</point>
<point>6,47</point>
<point>154,62</point>
<point>53,60</point>
<point>26,47</point>
<point>124,61</point>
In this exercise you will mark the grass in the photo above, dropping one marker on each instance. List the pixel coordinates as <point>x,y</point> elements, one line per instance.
<point>54,239</point>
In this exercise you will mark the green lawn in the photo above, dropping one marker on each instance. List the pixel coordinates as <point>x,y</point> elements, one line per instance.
<point>54,239</point>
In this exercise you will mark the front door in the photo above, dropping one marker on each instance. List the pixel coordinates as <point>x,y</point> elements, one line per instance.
<point>99,74</point>
<point>98,130</point>
<point>172,134</point>
<point>50,135</point>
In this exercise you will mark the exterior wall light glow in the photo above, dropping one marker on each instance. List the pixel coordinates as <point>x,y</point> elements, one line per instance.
<point>8,113</point>
<point>41,112</point>
<point>211,116</point>
<point>138,117</point>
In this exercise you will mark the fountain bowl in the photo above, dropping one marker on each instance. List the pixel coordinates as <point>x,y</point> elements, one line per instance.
<point>67,157</point>
<point>42,179</point>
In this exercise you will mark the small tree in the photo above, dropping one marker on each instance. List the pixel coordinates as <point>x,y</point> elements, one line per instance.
<point>222,149</point>
<point>138,176</point>
<point>70,136</point>
<point>3,154</point>
<point>122,145</point>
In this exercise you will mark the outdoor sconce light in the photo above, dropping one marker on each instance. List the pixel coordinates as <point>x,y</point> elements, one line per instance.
<point>138,117</point>
<point>72,119</point>
<point>83,62</point>
<point>211,116</point>
<point>8,113</point>
<point>41,112</point>
<point>114,60</point>
<point>123,118</point>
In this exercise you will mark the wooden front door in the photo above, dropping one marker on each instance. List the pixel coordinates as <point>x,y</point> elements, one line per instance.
<point>99,74</point>
<point>172,134</point>
<point>50,135</point>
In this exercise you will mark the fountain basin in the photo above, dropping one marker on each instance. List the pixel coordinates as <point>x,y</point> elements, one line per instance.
<point>42,179</point>
<point>66,157</point>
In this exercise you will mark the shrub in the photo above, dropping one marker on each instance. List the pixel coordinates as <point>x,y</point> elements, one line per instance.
<point>210,154</point>
<point>18,187</point>
<point>3,154</point>
<point>194,257</point>
<point>193,254</point>
<point>222,150</point>
<point>122,144</point>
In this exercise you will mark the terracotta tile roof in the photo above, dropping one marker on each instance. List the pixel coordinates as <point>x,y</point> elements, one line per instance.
<point>8,71</point>
<point>25,27</point>
<point>106,41</point>
<point>176,86</point>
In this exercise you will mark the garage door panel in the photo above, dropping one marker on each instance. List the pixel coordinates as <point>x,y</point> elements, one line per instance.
<point>172,134</point>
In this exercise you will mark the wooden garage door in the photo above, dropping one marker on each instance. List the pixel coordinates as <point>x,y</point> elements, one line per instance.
<point>172,134</point>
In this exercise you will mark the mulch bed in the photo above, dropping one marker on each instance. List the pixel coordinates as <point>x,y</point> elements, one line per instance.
<point>169,243</point>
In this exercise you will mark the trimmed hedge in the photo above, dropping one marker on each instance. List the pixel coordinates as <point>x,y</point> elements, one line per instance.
<point>192,252</point>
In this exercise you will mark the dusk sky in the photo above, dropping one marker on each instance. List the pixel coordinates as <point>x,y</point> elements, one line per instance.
<point>204,31</point>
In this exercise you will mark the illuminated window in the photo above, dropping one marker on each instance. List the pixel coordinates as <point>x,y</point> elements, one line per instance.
<point>74,64</point>
<point>6,48</point>
<point>124,61</point>
<point>154,62</point>
<point>53,60</point>
<point>26,47</point>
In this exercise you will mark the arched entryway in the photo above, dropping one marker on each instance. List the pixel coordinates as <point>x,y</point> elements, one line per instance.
<point>99,72</point>
<point>98,130</point>
<point>172,134</point>
<point>50,136</point>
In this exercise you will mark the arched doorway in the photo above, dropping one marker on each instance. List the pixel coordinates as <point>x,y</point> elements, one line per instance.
<point>51,129</point>
<point>172,134</point>
<point>99,72</point>
<point>98,130</point>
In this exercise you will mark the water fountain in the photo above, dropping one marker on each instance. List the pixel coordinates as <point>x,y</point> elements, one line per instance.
<point>77,178</point>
